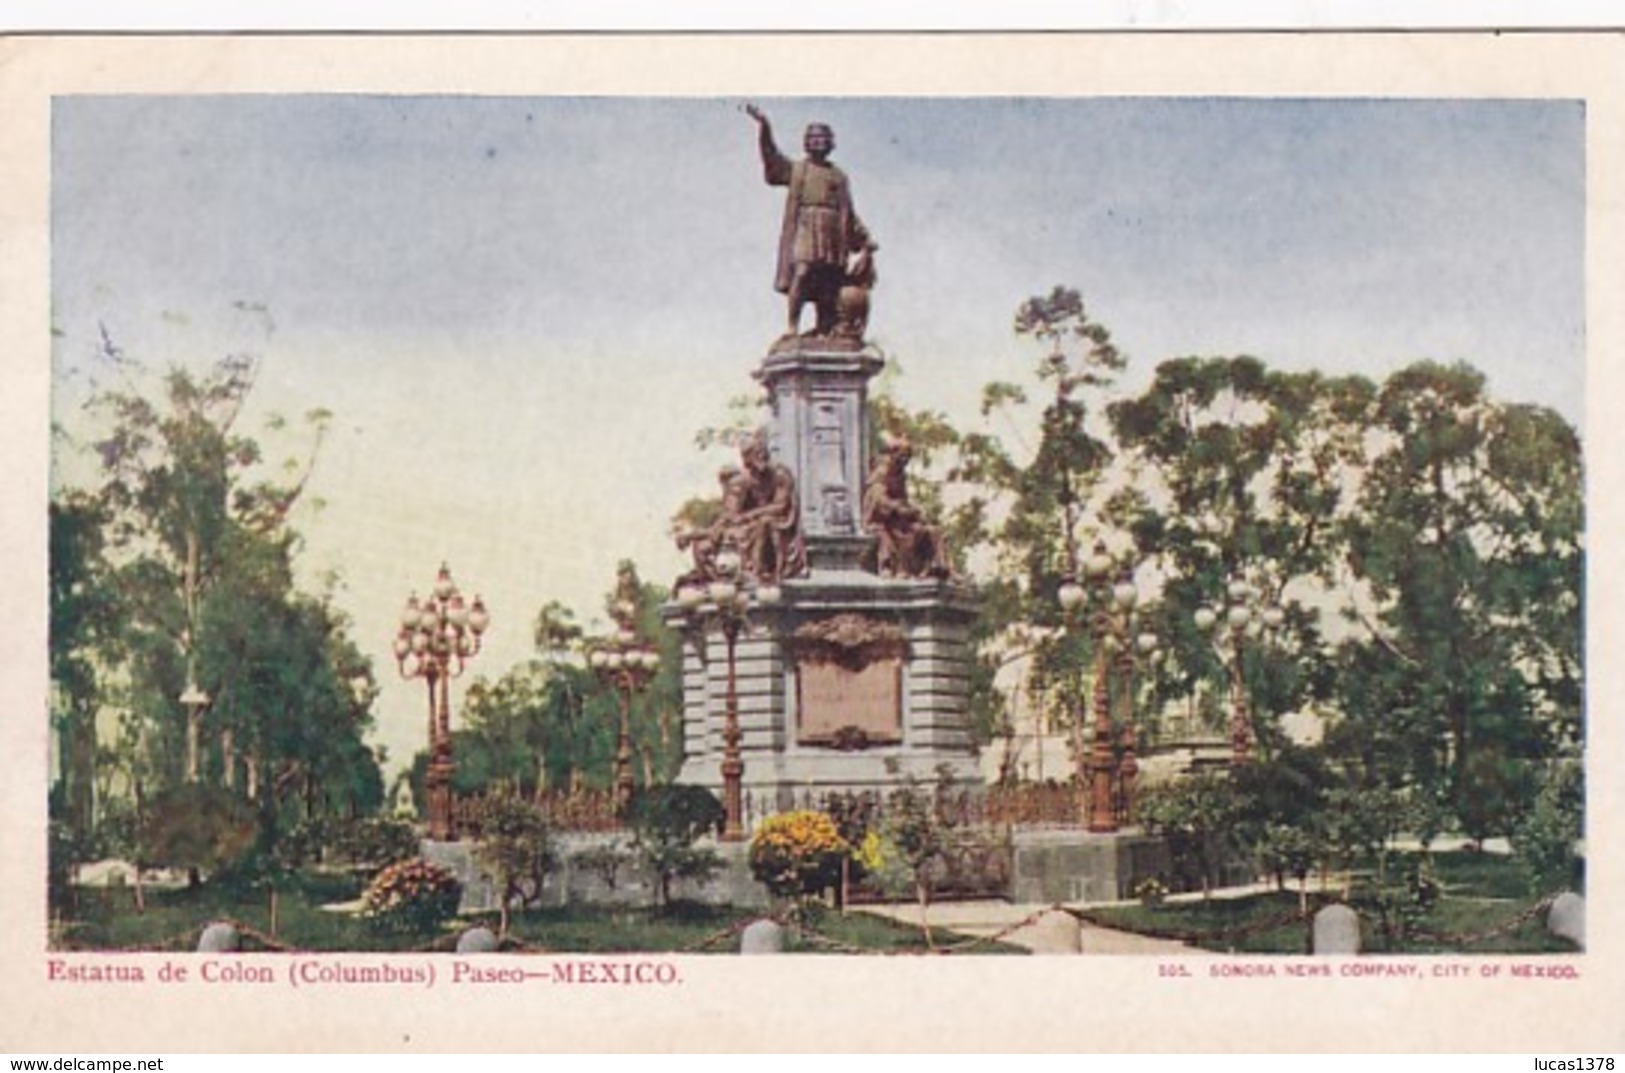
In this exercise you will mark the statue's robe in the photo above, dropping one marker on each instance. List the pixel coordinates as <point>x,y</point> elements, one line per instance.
<point>775,547</point>
<point>820,226</point>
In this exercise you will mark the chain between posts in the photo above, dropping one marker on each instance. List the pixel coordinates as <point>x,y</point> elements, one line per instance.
<point>1474,938</point>
<point>1299,917</point>
<point>1009,930</point>
<point>1185,935</point>
<point>268,941</point>
<point>447,943</point>
<point>731,930</point>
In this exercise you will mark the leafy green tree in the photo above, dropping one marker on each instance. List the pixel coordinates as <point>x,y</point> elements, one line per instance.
<point>1280,809</point>
<point>1196,815</point>
<point>175,570</point>
<point>508,734</point>
<point>516,848</point>
<point>1020,506</point>
<point>1547,841</point>
<point>549,721</point>
<point>666,823</point>
<point>657,738</point>
<point>200,828</point>
<point>291,703</point>
<point>1469,544</point>
<point>1241,473</point>
<point>915,840</point>
<point>83,622</point>
<point>1362,823</point>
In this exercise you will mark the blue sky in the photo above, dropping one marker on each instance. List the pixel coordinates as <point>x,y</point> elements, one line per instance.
<point>521,309</point>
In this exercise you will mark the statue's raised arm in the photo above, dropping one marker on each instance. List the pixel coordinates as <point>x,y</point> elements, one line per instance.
<point>776,167</point>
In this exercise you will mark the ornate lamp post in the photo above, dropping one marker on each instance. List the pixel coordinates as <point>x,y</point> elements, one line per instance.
<point>626,664</point>
<point>1143,646</point>
<point>1246,617</point>
<point>437,638</point>
<point>1111,603</point>
<point>725,602</point>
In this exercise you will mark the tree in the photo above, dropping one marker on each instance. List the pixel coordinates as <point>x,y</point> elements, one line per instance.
<point>200,828</point>
<point>656,733</point>
<point>550,721</point>
<point>1280,810</point>
<point>1020,508</point>
<point>1196,815</point>
<point>1242,474</point>
<point>666,822</point>
<point>292,702</point>
<point>914,843</point>
<point>1547,840</point>
<point>1469,543</point>
<point>515,846</point>
<point>83,622</point>
<point>174,571</point>
<point>508,735</point>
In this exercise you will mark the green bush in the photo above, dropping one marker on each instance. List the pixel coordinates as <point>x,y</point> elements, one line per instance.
<point>515,847</point>
<point>1546,839</point>
<point>666,822</point>
<point>366,843</point>
<point>1196,817</point>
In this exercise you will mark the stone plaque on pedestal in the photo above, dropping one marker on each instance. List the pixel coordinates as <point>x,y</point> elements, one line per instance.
<point>849,709</point>
<point>849,681</point>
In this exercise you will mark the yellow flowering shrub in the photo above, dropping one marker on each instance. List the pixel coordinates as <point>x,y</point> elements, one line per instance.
<point>797,854</point>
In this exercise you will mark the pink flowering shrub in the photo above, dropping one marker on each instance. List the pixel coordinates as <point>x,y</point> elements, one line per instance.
<point>411,896</point>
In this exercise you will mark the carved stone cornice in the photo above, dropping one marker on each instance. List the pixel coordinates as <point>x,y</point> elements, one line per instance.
<point>849,640</point>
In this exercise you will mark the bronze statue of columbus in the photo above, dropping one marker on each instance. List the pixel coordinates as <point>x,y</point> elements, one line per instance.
<point>822,244</point>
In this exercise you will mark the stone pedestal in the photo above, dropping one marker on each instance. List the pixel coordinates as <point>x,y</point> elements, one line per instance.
<point>818,397</point>
<point>849,682</point>
<point>1082,867</point>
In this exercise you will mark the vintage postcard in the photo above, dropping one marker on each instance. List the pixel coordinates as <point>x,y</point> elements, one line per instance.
<point>811,542</point>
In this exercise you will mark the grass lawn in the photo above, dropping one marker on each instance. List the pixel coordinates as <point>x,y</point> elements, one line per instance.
<point>1261,923</point>
<point>1480,894</point>
<point>107,920</point>
<point>692,928</point>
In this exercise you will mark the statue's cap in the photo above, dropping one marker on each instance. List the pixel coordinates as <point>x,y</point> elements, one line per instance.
<point>820,128</point>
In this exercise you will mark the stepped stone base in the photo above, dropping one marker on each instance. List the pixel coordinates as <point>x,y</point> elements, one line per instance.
<point>850,684</point>
<point>1077,866</point>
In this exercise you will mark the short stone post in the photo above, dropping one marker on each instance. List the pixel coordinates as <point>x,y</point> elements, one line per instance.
<point>1567,918</point>
<point>762,937</point>
<point>1337,931</point>
<point>477,941</point>
<point>219,938</point>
